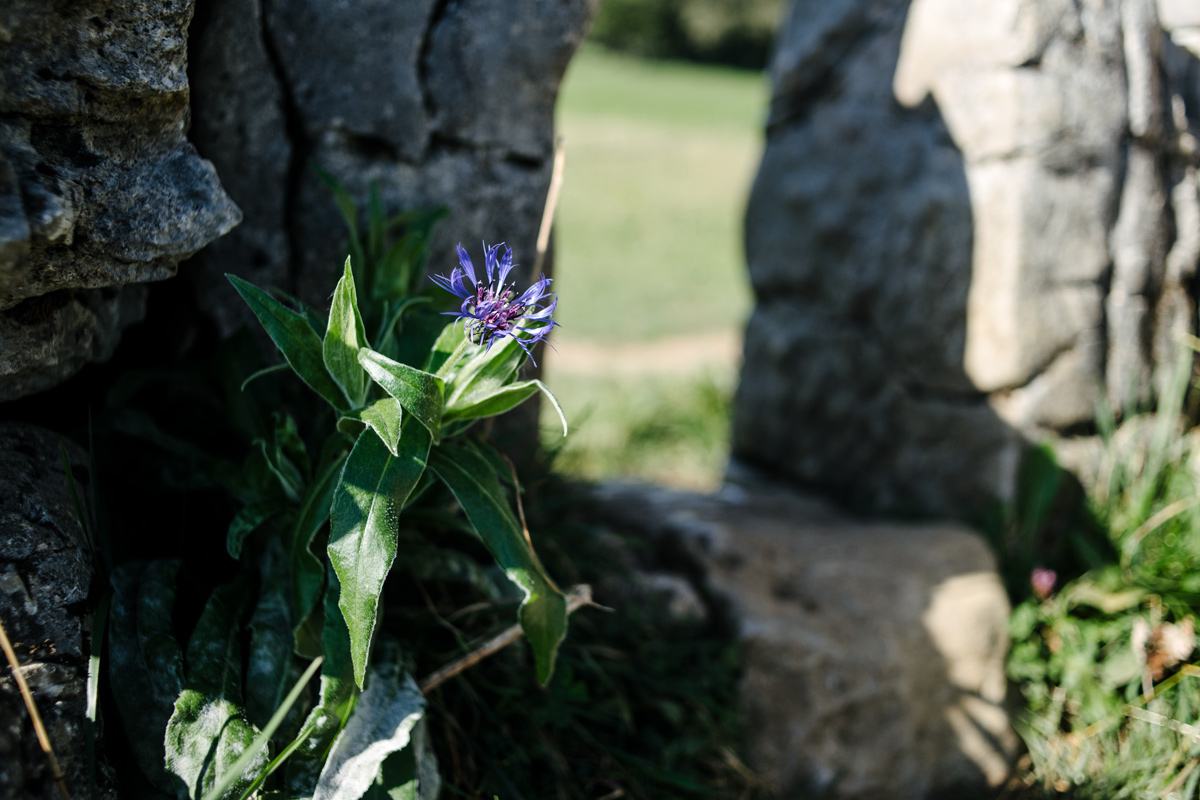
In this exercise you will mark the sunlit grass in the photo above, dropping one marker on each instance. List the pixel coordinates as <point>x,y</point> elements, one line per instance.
<point>660,157</point>
<point>659,163</point>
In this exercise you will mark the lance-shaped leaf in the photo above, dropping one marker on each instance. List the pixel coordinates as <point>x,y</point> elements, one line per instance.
<point>484,373</point>
<point>363,526</point>
<point>504,398</point>
<point>543,613</point>
<point>334,702</point>
<point>383,416</point>
<point>382,724</point>
<point>419,392</point>
<point>308,574</point>
<point>343,339</point>
<point>145,663</point>
<point>295,338</point>
<point>209,730</point>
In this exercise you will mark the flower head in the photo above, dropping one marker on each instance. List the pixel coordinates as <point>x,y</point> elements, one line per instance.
<point>1042,580</point>
<point>492,309</point>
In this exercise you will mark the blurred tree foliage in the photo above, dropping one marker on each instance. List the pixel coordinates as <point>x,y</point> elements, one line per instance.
<point>735,32</point>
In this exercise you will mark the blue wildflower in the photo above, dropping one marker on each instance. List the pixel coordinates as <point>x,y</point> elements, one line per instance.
<point>492,310</point>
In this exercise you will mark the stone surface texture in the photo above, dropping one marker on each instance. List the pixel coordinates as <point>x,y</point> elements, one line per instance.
<point>973,221</point>
<point>99,186</point>
<point>873,653</point>
<point>439,103</point>
<point>45,572</point>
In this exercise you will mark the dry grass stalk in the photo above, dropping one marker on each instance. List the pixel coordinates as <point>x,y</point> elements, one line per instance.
<point>38,727</point>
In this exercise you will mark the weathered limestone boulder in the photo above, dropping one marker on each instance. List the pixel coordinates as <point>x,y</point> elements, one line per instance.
<point>973,222</point>
<point>439,103</point>
<point>873,653</point>
<point>99,187</point>
<point>45,573</point>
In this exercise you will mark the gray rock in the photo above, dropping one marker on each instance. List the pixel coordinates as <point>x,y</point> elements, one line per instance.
<point>873,653</point>
<point>239,123</point>
<point>858,240</point>
<point>453,107</point>
<point>47,339</point>
<point>353,67</point>
<point>959,237</point>
<point>94,100</point>
<point>45,572</point>
<point>489,84</point>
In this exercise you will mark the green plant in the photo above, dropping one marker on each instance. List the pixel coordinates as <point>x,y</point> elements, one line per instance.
<point>340,487</point>
<point>639,707</point>
<point>1112,703</point>
<point>736,32</point>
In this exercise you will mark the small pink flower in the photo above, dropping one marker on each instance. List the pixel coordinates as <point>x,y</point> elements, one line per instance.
<point>1042,580</point>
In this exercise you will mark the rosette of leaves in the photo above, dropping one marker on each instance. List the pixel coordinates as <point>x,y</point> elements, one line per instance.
<point>321,522</point>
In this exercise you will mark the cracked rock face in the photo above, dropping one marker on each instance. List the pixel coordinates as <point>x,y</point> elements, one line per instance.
<point>973,222</point>
<point>45,572</point>
<point>99,187</point>
<point>439,103</point>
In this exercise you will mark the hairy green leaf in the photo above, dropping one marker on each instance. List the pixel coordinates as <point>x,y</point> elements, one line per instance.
<point>474,484</point>
<point>484,373</point>
<point>383,416</point>
<point>145,663</point>
<point>502,399</point>
<point>382,724</point>
<point>209,731</point>
<point>419,392</point>
<point>364,520</point>
<point>294,336</point>
<point>343,339</point>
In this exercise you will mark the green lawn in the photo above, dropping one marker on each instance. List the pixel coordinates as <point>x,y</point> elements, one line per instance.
<point>660,157</point>
<point>659,161</point>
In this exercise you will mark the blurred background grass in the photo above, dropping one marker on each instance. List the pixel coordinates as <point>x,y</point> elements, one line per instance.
<point>649,265</point>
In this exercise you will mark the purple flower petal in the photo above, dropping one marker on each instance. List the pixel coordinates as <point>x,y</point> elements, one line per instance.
<point>490,312</point>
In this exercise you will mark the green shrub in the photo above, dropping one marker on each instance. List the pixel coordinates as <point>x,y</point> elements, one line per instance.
<point>735,32</point>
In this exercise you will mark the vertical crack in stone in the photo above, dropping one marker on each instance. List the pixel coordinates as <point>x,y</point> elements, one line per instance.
<point>294,130</point>
<point>440,9</point>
